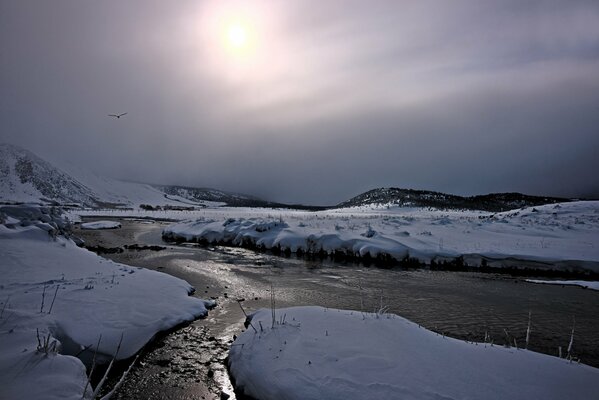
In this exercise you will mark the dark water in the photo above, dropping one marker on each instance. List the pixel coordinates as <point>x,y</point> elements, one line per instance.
<point>462,305</point>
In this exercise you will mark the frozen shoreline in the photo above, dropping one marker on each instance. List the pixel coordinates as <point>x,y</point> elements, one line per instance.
<point>562,236</point>
<point>111,234</point>
<point>58,299</point>
<point>583,284</point>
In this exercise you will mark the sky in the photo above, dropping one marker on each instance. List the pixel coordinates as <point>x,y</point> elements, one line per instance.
<point>308,101</point>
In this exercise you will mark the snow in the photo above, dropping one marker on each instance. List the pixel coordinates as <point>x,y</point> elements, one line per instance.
<point>562,235</point>
<point>585,284</point>
<point>26,178</point>
<point>101,225</point>
<point>72,297</point>
<point>318,353</point>
<point>120,192</point>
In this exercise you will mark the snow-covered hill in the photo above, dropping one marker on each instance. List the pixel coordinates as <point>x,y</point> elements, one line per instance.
<point>113,191</point>
<point>25,177</point>
<point>212,195</point>
<point>423,198</point>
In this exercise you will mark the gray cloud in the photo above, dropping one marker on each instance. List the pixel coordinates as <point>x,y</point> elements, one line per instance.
<point>468,97</point>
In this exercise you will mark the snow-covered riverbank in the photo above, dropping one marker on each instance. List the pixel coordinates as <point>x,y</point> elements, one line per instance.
<point>319,353</point>
<point>552,236</point>
<point>57,299</point>
<point>583,284</point>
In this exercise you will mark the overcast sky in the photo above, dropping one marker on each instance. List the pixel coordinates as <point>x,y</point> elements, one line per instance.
<point>316,101</point>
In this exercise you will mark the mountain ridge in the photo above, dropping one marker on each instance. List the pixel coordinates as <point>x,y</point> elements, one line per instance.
<point>26,177</point>
<point>493,202</point>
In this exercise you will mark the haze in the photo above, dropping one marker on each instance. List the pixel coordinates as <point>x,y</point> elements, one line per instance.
<point>310,102</point>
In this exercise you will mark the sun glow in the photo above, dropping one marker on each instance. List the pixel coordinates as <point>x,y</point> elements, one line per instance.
<point>237,36</point>
<point>241,42</point>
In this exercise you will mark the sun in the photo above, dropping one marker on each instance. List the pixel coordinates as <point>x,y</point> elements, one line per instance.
<point>237,36</point>
<point>235,39</point>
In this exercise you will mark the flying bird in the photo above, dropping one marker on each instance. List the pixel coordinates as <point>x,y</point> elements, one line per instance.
<point>117,115</point>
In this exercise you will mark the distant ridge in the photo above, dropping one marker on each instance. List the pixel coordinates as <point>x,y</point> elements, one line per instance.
<point>493,202</point>
<point>25,177</point>
<point>214,195</point>
<point>229,198</point>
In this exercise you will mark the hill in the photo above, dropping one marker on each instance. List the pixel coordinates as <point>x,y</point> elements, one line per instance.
<point>494,202</point>
<point>25,177</point>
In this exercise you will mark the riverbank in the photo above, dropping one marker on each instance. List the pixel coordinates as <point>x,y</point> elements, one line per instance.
<point>462,305</point>
<point>556,238</point>
<point>64,308</point>
<point>188,363</point>
<point>312,353</point>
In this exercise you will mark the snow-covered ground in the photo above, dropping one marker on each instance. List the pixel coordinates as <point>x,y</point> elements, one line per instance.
<point>101,225</point>
<point>585,284</point>
<point>71,296</point>
<point>558,235</point>
<point>318,353</point>
<point>56,299</point>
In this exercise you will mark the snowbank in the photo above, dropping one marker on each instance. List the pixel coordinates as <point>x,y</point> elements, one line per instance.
<point>56,299</point>
<point>101,225</point>
<point>566,234</point>
<point>318,353</point>
<point>585,284</point>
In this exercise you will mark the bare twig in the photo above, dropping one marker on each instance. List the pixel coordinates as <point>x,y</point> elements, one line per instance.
<point>39,343</point>
<point>85,348</point>
<point>53,299</point>
<point>272,304</point>
<point>43,298</point>
<point>361,296</point>
<point>103,380</point>
<point>120,382</point>
<point>43,344</point>
<point>246,316</point>
<point>528,329</point>
<point>571,338</point>
<point>91,372</point>
<point>4,306</point>
<point>507,338</point>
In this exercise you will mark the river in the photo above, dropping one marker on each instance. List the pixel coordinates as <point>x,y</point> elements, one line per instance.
<point>189,363</point>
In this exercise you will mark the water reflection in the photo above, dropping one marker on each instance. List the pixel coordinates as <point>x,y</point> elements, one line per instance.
<point>460,304</point>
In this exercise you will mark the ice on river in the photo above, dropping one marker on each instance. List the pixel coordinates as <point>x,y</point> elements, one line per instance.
<point>101,225</point>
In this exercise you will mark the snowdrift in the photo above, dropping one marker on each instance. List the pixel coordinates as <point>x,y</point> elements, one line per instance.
<point>553,236</point>
<point>57,300</point>
<point>318,353</point>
